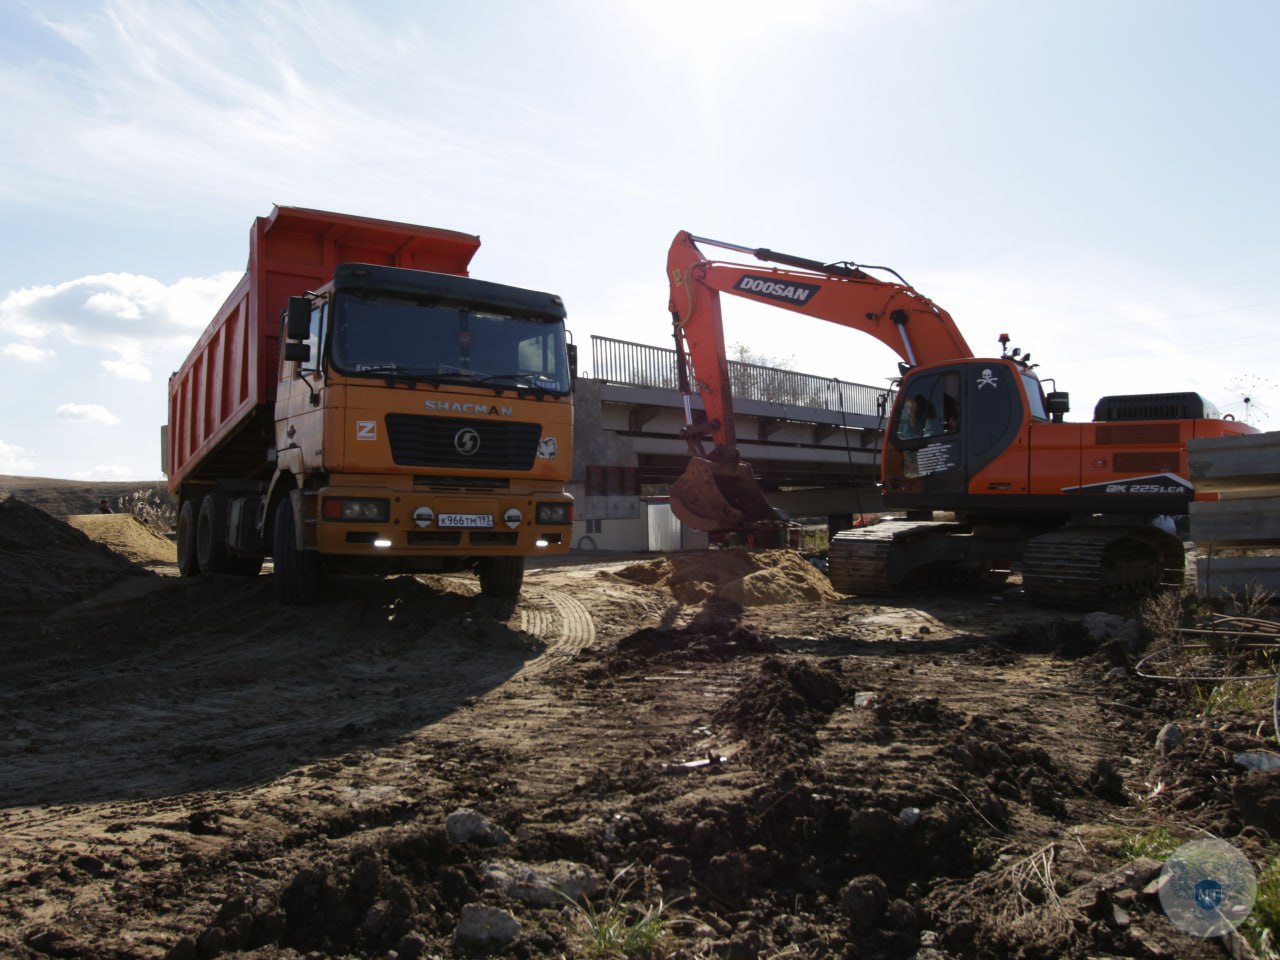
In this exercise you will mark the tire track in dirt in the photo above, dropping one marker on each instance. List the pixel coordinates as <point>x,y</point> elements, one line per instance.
<point>567,628</point>
<point>555,617</point>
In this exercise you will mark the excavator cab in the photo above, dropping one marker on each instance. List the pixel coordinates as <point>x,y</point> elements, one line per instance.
<point>952,422</point>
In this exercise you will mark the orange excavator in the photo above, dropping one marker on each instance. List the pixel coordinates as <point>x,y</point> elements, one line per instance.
<point>976,440</point>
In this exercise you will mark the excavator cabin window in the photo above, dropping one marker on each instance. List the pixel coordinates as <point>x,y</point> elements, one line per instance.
<point>930,408</point>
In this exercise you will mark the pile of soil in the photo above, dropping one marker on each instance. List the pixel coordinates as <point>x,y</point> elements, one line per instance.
<point>45,562</point>
<point>128,536</point>
<point>747,578</point>
<point>780,709</point>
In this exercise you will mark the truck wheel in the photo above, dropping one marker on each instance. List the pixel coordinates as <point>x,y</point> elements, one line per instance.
<point>501,576</point>
<point>188,565</point>
<point>297,572</point>
<point>211,536</point>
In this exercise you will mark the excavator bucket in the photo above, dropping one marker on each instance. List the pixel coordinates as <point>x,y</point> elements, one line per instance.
<point>714,496</point>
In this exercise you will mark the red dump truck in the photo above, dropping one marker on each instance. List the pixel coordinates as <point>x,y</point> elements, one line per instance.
<point>359,404</point>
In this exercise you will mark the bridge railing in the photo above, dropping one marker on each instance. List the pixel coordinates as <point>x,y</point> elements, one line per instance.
<point>642,365</point>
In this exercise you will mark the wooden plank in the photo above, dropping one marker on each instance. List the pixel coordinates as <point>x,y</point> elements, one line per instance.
<point>1237,576</point>
<point>1251,461</point>
<point>1249,522</point>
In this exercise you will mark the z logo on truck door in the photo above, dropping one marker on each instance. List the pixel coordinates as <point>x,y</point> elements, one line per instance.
<point>366,429</point>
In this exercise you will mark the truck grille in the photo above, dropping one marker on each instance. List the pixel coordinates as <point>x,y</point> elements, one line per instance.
<point>480,484</point>
<point>422,441</point>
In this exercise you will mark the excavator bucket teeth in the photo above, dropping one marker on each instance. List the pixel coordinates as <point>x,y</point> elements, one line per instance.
<point>719,496</point>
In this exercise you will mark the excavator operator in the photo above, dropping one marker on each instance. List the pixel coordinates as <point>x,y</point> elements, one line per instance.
<point>919,419</point>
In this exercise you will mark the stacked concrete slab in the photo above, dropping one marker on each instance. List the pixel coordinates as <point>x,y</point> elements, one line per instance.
<point>1239,534</point>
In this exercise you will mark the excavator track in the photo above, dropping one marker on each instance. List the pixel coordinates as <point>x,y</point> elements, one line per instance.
<point>1097,567</point>
<point>857,565</point>
<point>878,559</point>
<point>1073,567</point>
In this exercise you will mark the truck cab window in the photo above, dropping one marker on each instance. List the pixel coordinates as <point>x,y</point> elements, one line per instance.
<point>315,341</point>
<point>930,407</point>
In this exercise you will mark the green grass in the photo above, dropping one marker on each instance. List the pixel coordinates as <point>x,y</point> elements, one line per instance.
<point>618,930</point>
<point>1154,844</point>
<point>1262,929</point>
<point>1247,696</point>
<point>622,929</point>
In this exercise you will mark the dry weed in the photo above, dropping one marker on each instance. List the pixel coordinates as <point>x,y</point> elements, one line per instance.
<point>1031,911</point>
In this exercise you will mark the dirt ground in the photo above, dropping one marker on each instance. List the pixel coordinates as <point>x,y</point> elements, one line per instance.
<point>717,741</point>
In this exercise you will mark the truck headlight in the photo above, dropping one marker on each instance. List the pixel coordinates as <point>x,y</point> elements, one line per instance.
<point>355,510</point>
<point>554,513</point>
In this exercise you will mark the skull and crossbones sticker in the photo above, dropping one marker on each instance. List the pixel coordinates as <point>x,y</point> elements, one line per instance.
<point>987,379</point>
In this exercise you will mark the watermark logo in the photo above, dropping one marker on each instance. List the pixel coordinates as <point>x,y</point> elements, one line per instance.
<point>1207,888</point>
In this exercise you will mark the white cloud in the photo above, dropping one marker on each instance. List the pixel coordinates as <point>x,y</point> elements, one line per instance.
<point>87,413</point>
<point>113,304</point>
<point>139,327</point>
<point>13,459</point>
<point>125,370</point>
<point>130,117</point>
<point>107,472</point>
<point>190,303</point>
<point>27,352</point>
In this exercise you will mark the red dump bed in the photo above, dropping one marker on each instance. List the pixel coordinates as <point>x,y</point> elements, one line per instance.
<point>221,398</point>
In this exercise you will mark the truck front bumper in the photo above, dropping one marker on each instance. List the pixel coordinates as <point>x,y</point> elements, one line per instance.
<point>363,520</point>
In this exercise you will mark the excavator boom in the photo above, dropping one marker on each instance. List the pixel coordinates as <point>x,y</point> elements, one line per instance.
<point>718,492</point>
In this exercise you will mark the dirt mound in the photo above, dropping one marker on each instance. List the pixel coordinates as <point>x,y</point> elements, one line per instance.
<point>779,710</point>
<point>46,562</point>
<point>126,535</point>
<point>700,642</point>
<point>749,578</point>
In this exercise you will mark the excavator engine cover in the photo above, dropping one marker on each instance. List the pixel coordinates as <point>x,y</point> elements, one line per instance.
<point>720,496</point>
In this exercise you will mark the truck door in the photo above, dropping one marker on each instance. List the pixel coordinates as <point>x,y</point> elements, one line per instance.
<point>300,418</point>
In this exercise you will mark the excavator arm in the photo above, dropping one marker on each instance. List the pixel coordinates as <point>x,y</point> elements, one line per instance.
<point>718,492</point>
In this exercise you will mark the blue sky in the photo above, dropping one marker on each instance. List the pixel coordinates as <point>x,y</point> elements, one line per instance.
<point>1096,178</point>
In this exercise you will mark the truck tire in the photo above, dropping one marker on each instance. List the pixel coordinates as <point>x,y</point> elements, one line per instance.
<point>297,572</point>
<point>188,565</point>
<point>211,536</point>
<point>501,577</point>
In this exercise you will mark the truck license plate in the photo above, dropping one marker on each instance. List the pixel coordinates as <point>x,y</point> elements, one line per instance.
<point>465,520</point>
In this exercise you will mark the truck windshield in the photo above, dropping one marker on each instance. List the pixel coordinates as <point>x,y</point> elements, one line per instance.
<point>378,335</point>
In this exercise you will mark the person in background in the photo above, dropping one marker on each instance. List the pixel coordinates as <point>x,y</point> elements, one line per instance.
<point>104,507</point>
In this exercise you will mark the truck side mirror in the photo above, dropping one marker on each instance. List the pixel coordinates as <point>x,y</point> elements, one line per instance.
<point>301,352</point>
<point>297,323</point>
<point>573,362</point>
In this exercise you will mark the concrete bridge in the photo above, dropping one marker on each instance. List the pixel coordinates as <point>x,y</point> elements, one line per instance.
<point>813,442</point>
